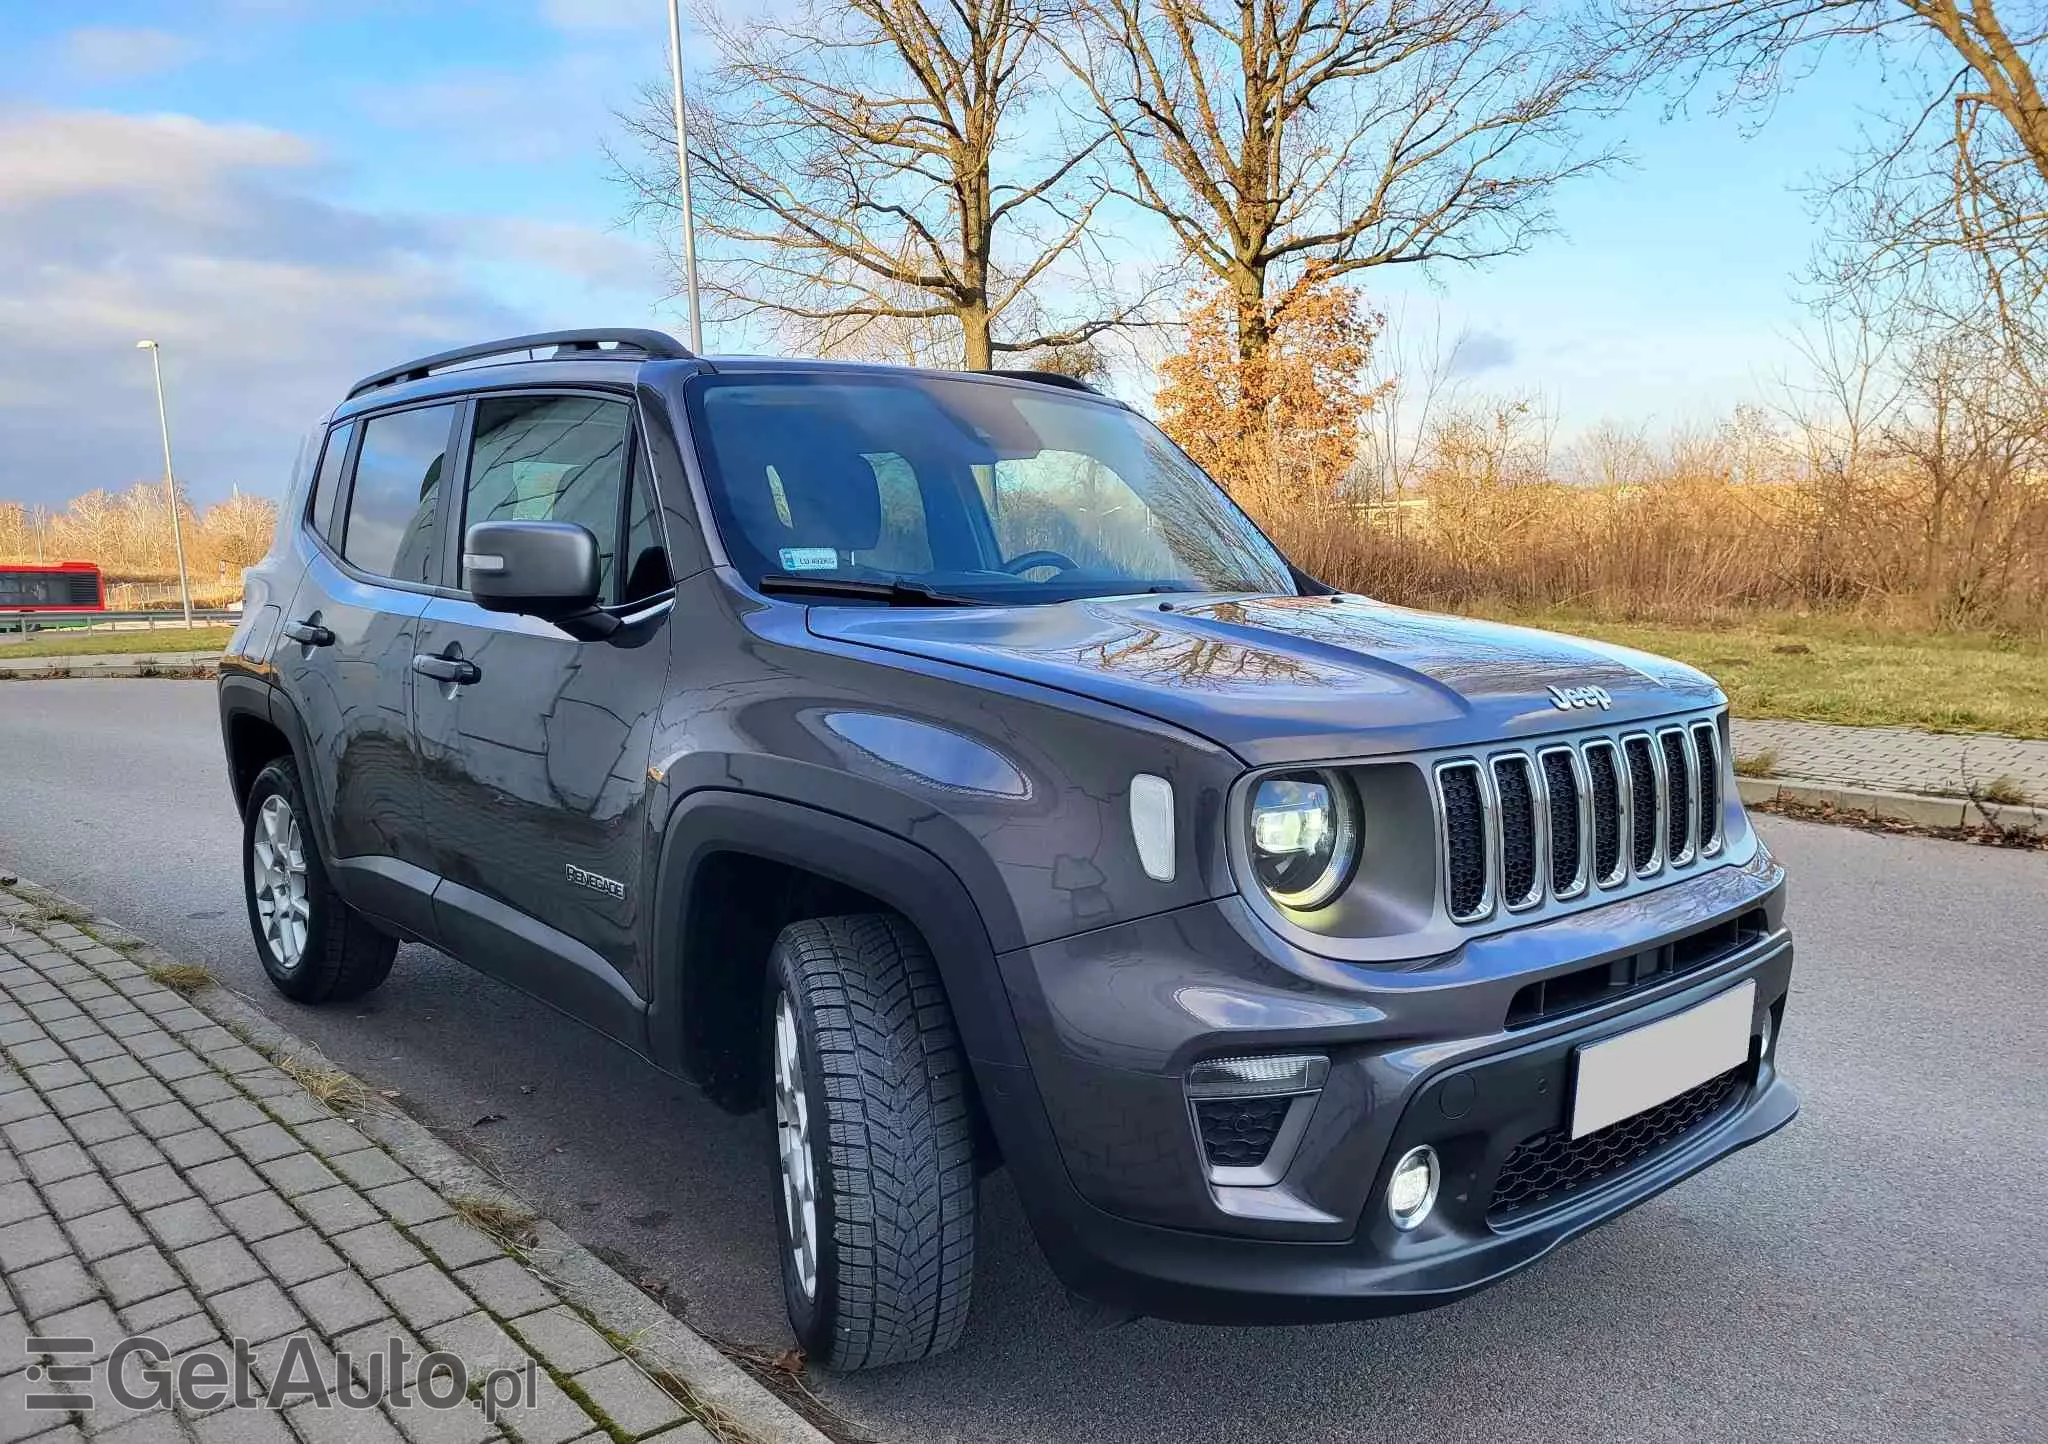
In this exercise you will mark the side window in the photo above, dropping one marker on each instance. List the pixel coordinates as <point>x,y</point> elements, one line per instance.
<point>327,485</point>
<point>392,506</point>
<point>555,458</point>
<point>647,568</point>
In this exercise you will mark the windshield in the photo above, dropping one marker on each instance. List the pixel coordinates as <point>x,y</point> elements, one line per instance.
<point>1003,494</point>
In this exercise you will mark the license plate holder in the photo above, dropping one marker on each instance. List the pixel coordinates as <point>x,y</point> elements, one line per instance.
<point>1622,1076</point>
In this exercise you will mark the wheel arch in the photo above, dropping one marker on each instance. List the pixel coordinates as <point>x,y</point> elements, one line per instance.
<point>721,850</point>
<point>258,726</point>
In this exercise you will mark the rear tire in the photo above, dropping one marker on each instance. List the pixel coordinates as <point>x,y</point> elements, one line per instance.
<point>874,1168</point>
<point>315,947</point>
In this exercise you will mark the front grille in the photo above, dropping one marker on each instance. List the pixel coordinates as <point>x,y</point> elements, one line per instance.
<point>1239,1132</point>
<point>1464,841</point>
<point>1518,883</point>
<point>1520,827</point>
<point>1550,1167</point>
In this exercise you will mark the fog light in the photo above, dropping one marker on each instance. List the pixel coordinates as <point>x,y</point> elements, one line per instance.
<point>1412,1192</point>
<point>1262,1077</point>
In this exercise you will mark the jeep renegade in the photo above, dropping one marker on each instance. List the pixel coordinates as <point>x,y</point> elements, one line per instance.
<point>943,764</point>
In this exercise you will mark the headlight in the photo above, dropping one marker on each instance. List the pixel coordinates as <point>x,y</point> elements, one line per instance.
<point>1304,837</point>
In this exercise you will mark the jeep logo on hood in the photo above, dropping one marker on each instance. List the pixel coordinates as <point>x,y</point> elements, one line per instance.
<point>1567,698</point>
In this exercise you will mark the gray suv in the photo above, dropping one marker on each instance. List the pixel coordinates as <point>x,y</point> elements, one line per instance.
<point>942,764</point>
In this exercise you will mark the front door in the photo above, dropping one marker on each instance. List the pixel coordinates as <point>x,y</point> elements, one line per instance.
<point>534,756</point>
<point>345,652</point>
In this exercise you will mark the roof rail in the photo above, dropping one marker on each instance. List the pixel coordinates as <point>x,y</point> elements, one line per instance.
<point>655,345</point>
<point>1043,378</point>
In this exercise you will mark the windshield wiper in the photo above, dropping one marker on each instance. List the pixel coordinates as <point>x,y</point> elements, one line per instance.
<point>896,593</point>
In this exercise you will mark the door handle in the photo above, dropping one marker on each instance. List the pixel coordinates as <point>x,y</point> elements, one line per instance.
<point>459,670</point>
<point>309,633</point>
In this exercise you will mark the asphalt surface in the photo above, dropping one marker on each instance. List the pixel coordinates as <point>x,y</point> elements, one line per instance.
<point>1877,1271</point>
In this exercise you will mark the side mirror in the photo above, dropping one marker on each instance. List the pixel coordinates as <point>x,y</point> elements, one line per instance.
<point>545,569</point>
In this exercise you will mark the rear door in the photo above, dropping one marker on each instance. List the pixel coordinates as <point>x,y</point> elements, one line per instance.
<point>345,653</point>
<point>534,771</point>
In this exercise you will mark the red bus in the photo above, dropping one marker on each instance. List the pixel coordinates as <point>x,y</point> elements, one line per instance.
<point>64,587</point>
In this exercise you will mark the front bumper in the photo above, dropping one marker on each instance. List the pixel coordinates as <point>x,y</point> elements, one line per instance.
<point>1098,1130</point>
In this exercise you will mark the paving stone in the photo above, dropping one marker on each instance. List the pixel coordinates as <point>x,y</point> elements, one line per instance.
<point>551,1418</point>
<point>155,1427</point>
<point>86,1097</point>
<point>298,1257</point>
<point>455,1243</point>
<point>161,1311</point>
<point>330,1135</point>
<point>53,1165</point>
<point>100,1127</point>
<point>164,1120</point>
<point>244,1426</point>
<point>256,1311</point>
<point>49,1012</point>
<point>378,1250</point>
<point>19,1200</point>
<point>505,1288</point>
<point>183,1224</point>
<point>423,1296</point>
<point>690,1433</point>
<point>18,1423</point>
<point>190,1150</point>
<point>45,1130</point>
<point>180,1064</point>
<point>145,1038</point>
<point>22,1103</point>
<point>36,1049</point>
<point>116,1068</point>
<point>51,1287</point>
<point>141,1093</point>
<point>223,1180</point>
<point>563,1341</point>
<point>140,1273</point>
<point>126,1153</point>
<point>261,1143</point>
<point>259,1216</point>
<point>240,1058</point>
<point>478,1340</point>
<point>149,1188</point>
<point>627,1397</point>
<point>204,1088</point>
<point>338,1303</point>
<point>298,1173</point>
<point>410,1202</point>
<point>99,1047</point>
<point>15,1036</point>
<point>345,1426</point>
<point>76,1197</point>
<point>180,1017</point>
<point>60,1074</point>
<point>91,1319</point>
<point>10,1168</point>
<point>423,1424</point>
<point>368,1168</point>
<point>110,1231</point>
<point>233,1114</point>
<point>288,1103</point>
<point>218,1265</point>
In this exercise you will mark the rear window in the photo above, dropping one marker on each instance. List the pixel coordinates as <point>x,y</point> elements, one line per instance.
<point>393,506</point>
<point>327,485</point>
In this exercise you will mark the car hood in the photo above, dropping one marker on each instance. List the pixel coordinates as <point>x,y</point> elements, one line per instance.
<point>1293,679</point>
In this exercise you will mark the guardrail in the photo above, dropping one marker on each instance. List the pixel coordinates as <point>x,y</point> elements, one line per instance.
<point>23,621</point>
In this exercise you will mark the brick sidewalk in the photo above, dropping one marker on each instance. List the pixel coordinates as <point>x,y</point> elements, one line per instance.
<point>1895,759</point>
<point>161,1176</point>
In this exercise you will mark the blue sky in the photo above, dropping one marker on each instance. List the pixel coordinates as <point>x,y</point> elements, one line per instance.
<point>289,193</point>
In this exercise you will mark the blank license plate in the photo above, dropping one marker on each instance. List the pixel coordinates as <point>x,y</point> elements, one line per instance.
<point>1620,1077</point>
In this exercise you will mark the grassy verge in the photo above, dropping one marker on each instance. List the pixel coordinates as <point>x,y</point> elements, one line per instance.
<point>1830,670</point>
<point>79,643</point>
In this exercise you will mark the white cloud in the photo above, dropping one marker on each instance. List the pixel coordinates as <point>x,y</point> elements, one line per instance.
<point>267,298</point>
<point>107,52</point>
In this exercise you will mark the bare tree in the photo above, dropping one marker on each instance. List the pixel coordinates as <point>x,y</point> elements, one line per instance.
<point>864,173</point>
<point>1336,135</point>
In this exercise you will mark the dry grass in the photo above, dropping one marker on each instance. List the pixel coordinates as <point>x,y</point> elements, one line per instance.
<point>510,1225</point>
<point>187,978</point>
<point>330,1085</point>
<point>1758,764</point>
<point>2004,791</point>
<point>78,642</point>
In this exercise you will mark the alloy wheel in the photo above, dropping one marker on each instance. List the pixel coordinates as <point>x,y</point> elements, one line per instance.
<point>793,1147</point>
<point>277,857</point>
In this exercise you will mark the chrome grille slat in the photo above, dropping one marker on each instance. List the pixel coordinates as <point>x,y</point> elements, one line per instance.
<point>1524,826</point>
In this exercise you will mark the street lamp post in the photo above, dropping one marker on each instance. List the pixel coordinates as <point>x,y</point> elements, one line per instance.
<point>675,71</point>
<point>163,420</point>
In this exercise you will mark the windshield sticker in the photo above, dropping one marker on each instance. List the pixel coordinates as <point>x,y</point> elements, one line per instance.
<point>809,559</point>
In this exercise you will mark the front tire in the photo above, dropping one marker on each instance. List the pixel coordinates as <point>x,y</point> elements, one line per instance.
<point>874,1143</point>
<point>314,946</point>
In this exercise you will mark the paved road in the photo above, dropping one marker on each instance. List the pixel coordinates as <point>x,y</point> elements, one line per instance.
<point>1878,1271</point>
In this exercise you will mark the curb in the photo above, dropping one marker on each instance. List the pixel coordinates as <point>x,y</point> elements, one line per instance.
<point>724,1396</point>
<point>110,664</point>
<point>1948,814</point>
